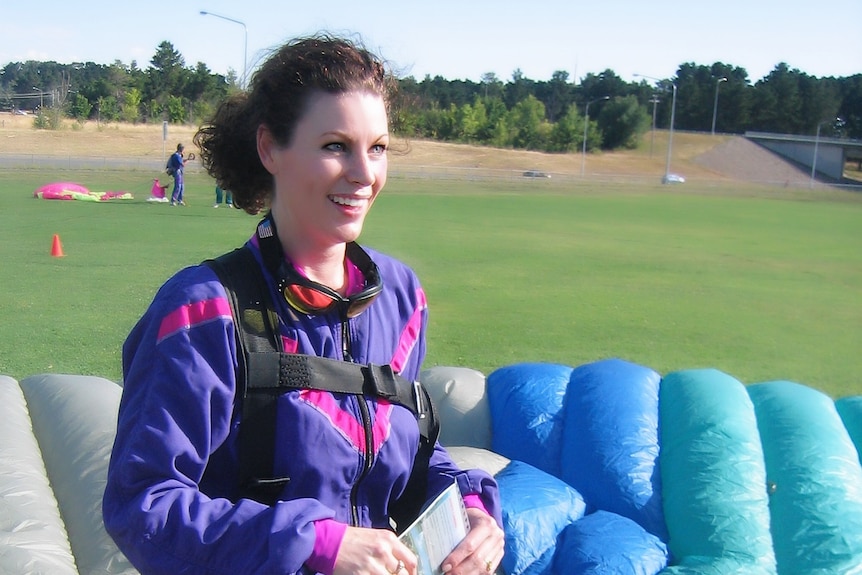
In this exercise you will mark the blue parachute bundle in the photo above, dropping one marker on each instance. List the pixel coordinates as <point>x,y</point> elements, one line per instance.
<point>815,479</point>
<point>536,508</point>
<point>611,445</point>
<point>850,410</point>
<point>713,475</point>
<point>604,543</point>
<point>526,402</point>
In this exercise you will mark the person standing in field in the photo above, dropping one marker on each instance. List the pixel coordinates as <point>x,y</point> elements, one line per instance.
<point>223,195</point>
<point>176,165</point>
<point>307,146</point>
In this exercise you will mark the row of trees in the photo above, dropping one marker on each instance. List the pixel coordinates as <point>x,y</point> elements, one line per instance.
<point>523,113</point>
<point>550,115</point>
<point>166,90</point>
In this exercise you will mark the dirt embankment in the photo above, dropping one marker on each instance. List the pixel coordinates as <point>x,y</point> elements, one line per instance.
<point>695,156</point>
<point>742,159</point>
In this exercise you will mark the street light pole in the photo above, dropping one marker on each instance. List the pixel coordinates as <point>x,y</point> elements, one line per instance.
<point>816,142</point>
<point>41,97</point>
<point>654,103</point>
<point>244,79</point>
<point>670,134</point>
<point>586,125</point>
<point>715,106</point>
<point>670,137</point>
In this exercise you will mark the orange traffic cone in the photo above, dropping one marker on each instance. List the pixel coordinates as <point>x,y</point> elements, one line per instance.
<point>56,247</point>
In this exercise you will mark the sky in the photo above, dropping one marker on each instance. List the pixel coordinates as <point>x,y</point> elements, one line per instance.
<point>456,39</point>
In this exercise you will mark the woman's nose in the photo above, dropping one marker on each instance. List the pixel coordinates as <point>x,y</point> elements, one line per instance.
<point>361,170</point>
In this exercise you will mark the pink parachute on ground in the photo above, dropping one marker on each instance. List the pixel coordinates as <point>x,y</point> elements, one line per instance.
<point>73,191</point>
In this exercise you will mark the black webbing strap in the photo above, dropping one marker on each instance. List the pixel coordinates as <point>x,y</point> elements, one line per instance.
<point>255,328</point>
<point>265,371</point>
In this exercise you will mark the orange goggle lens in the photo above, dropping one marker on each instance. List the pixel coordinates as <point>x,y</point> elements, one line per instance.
<point>312,299</point>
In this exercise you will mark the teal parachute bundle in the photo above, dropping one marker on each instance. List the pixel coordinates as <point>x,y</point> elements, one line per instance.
<point>713,476</point>
<point>815,480</point>
<point>850,410</point>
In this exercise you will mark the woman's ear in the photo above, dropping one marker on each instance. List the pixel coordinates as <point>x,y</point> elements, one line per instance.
<point>266,149</point>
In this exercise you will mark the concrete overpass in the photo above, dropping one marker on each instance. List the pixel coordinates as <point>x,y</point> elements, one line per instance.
<point>832,153</point>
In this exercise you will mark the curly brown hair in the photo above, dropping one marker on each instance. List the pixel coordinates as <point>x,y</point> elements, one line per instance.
<point>277,98</point>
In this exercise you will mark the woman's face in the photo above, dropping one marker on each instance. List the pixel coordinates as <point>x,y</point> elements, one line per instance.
<point>328,176</point>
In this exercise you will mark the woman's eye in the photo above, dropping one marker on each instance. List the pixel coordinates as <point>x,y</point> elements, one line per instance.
<point>336,147</point>
<point>378,149</point>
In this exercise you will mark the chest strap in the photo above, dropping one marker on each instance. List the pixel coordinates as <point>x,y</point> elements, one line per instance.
<point>265,371</point>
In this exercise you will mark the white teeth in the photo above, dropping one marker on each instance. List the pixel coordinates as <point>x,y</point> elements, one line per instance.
<point>352,202</point>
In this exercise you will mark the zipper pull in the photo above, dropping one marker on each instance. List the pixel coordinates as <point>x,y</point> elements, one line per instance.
<point>345,342</point>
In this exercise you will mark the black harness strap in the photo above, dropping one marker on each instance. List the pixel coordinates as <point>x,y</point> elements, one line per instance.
<point>265,371</point>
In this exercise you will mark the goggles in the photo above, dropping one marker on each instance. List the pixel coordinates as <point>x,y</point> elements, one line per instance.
<point>313,298</point>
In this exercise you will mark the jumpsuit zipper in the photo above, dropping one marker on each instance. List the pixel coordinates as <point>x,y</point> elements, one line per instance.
<point>366,427</point>
<point>368,462</point>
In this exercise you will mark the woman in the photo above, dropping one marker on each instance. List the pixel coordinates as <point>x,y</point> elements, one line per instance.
<point>309,142</point>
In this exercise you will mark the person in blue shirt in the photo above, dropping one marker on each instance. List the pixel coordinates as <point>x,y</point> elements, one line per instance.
<point>176,165</point>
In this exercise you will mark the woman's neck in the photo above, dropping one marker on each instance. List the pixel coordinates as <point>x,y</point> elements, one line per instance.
<point>323,265</point>
<point>317,260</point>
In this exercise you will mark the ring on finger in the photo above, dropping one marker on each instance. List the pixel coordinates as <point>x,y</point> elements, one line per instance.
<point>398,567</point>
<point>488,564</point>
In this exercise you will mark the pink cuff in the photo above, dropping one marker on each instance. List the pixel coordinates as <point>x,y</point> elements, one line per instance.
<point>327,541</point>
<point>473,500</point>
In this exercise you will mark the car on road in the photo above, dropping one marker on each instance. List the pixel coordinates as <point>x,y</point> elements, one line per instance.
<point>536,174</point>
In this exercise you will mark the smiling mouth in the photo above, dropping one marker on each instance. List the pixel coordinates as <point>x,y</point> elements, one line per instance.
<point>351,202</point>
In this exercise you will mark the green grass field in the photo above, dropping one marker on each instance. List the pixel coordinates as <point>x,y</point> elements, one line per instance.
<point>761,283</point>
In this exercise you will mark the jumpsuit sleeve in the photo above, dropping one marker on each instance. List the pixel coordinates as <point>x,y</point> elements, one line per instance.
<point>176,411</point>
<point>471,482</point>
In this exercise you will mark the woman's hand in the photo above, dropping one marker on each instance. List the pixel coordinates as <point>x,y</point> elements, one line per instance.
<point>481,550</point>
<point>366,551</point>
